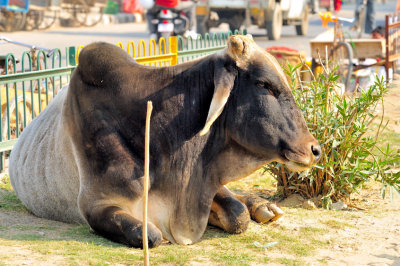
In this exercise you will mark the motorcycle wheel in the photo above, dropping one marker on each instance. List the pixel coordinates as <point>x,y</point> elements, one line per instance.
<point>165,35</point>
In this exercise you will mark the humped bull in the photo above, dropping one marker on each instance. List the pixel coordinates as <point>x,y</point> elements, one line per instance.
<point>215,120</point>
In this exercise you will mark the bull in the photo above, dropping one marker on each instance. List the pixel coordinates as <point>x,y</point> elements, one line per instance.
<point>215,120</point>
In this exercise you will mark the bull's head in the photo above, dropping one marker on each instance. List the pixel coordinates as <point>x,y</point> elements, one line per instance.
<point>261,113</point>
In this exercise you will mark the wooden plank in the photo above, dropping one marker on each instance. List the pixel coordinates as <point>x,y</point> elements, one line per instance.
<point>364,48</point>
<point>369,48</point>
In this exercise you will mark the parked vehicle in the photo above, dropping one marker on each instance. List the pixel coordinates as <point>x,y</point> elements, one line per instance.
<point>169,23</point>
<point>268,14</point>
<point>13,14</point>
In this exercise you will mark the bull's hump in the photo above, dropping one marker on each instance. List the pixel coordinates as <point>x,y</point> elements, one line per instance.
<point>98,59</point>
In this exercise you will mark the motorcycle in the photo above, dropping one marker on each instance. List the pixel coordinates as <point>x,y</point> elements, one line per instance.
<point>169,23</point>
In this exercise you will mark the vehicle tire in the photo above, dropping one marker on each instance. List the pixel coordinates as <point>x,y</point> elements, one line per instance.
<point>202,25</point>
<point>274,25</point>
<point>302,28</point>
<point>235,23</point>
<point>164,35</point>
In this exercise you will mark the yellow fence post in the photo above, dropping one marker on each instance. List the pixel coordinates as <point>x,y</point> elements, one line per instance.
<point>77,53</point>
<point>120,45</point>
<point>173,49</point>
<point>131,44</point>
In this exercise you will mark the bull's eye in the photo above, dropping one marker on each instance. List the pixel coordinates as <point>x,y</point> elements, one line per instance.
<point>266,86</point>
<point>260,84</point>
<point>271,92</point>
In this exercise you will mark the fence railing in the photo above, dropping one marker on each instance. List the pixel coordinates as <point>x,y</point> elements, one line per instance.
<point>26,90</point>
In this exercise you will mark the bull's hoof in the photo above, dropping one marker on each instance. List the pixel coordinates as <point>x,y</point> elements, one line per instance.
<point>267,212</point>
<point>277,211</point>
<point>154,237</point>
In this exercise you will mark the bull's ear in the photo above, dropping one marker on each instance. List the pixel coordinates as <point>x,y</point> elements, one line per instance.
<point>224,78</point>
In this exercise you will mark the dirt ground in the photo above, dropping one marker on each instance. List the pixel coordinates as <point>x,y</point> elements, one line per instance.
<point>366,235</point>
<point>369,237</point>
<point>374,239</point>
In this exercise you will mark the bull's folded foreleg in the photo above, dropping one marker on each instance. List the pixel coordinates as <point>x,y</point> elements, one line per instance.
<point>260,209</point>
<point>228,213</point>
<point>116,224</point>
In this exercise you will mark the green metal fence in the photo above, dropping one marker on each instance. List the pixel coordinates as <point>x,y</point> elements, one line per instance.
<point>202,46</point>
<point>28,86</point>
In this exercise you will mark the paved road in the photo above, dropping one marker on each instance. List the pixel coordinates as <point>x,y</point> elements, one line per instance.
<point>62,37</point>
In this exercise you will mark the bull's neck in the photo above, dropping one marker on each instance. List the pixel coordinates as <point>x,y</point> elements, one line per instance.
<point>180,155</point>
<point>177,120</point>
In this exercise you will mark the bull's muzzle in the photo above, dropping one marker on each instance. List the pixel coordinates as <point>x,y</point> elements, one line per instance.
<point>316,151</point>
<point>302,160</point>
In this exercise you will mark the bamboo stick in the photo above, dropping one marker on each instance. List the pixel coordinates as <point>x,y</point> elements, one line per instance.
<point>146,182</point>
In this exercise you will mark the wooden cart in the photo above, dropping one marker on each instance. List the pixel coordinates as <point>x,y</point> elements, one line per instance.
<point>346,54</point>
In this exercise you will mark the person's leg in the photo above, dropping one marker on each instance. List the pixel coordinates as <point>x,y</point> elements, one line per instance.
<point>370,16</point>
<point>315,6</point>
<point>357,15</point>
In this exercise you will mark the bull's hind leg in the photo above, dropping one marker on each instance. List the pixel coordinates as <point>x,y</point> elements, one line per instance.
<point>116,224</point>
<point>229,213</point>
<point>260,209</point>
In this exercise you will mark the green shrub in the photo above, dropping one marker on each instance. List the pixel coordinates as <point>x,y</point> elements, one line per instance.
<point>348,128</point>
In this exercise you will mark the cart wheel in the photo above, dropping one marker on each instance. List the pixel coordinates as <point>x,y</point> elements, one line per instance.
<point>87,15</point>
<point>33,19</point>
<point>13,21</point>
<point>94,16</point>
<point>22,123</point>
<point>274,26</point>
<point>80,11</point>
<point>341,62</point>
<point>49,17</point>
<point>302,28</point>
<point>19,21</point>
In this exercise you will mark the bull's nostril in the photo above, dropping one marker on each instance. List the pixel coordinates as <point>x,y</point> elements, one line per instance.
<point>316,150</point>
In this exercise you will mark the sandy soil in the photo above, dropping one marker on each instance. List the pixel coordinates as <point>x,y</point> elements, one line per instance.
<point>370,237</point>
